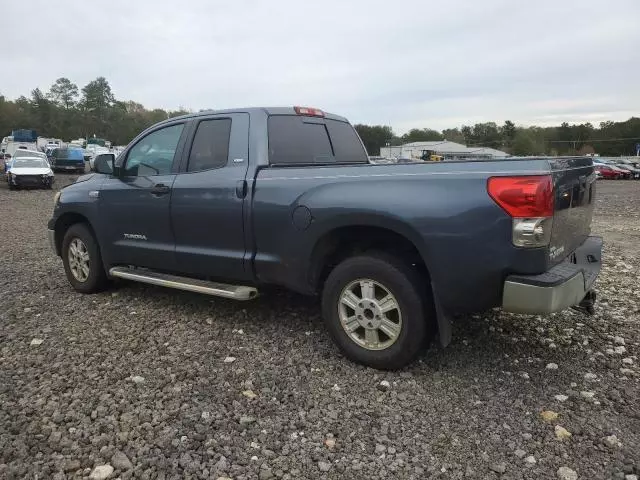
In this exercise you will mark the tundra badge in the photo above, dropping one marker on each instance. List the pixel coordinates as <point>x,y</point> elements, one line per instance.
<point>134,236</point>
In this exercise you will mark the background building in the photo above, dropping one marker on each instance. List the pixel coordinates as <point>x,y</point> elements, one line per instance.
<point>447,150</point>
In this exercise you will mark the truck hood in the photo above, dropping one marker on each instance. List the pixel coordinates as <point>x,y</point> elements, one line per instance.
<point>85,177</point>
<point>31,171</point>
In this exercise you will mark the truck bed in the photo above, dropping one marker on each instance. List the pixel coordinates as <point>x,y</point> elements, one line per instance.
<point>443,207</point>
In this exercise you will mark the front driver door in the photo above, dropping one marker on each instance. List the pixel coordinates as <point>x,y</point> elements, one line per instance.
<point>135,205</point>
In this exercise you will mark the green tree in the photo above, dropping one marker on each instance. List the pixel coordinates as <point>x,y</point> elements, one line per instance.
<point>523,143</point>
<point>374,137</point>
<point>508,131</point>
<point>63,93</point>
<point>453,135</point>
<point>528,141</point>
<point>422,135</point>
<point>97,100</point>
<point>97,95</point>
<point>42,111</point>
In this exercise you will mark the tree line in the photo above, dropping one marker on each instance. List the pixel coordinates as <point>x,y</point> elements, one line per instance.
<point>69,112</point>
<point>607,139</point>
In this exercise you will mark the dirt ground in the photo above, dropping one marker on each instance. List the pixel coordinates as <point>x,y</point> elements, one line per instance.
<point>146,382</point>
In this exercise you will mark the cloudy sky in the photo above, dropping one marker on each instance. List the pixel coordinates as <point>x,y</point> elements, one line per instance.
<point>407,64</point>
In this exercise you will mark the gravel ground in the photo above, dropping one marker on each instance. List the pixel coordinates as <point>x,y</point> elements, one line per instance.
<point>145,382</point>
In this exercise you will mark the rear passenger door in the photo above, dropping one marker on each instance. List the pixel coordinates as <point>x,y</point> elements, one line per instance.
<point>208,198</point>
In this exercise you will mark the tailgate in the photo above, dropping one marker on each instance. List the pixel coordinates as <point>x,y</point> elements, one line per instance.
<point>574,182</point>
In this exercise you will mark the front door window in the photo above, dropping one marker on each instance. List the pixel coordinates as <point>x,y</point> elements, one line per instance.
<point>153,154</point>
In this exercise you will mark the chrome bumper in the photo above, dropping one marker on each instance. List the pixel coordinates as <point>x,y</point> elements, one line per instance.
<point>563,286</point>
<point>51,234</point>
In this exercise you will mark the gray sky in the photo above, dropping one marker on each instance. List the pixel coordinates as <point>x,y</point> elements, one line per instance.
<point>400,63</point>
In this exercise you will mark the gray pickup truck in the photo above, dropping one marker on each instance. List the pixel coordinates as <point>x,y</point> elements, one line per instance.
<point>228,202</point>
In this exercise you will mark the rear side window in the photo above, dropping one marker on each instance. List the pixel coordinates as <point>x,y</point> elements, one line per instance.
<point>346,142</point>
<point>302,140</point>
<point>210,147</point>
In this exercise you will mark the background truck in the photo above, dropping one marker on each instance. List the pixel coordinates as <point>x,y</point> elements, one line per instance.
<point>227,202</point>
<point>24,139</point>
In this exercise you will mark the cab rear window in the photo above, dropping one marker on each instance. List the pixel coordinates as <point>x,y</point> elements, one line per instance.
<point>300,140</point>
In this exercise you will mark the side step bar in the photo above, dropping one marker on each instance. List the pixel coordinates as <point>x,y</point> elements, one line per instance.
<point>235,292</point>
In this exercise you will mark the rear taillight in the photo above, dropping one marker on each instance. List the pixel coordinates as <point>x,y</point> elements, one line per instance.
<point>529,201</point>
<point>522,197</point>
<point>308,111</point>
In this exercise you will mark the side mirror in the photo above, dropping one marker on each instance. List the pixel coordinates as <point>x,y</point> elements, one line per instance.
<point>103,164</point>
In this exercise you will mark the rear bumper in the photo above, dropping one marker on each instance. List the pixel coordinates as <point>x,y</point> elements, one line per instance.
<point>561,287</point>
<point>68,165</point>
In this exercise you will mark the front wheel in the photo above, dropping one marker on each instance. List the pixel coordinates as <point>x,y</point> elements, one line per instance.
<point>377,311</point>
<point>82,261</point>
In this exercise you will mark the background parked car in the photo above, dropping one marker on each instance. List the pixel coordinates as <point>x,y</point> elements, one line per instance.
<point>4,159</point>
<point>635,172</point>
<point>607,172</point>
<point>20,153</point>
<point>69,158</point>
<point>622,173</point>
<point>49,152</point>
<point>29,172</point>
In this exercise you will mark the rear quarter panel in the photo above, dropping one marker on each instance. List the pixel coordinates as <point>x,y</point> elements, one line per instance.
<point>442,208</point>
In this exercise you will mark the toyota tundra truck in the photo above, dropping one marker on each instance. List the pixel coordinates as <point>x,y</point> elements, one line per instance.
<point>228,202</point>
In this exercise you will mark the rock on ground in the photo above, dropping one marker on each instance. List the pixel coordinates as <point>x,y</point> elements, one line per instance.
<point>69,405</point>
<point>120,461</point>
<point>565,473</point>
<point>101,472</point>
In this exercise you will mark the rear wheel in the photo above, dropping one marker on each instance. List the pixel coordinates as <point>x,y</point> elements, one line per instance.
<point>376,312</point>
<point>82,260</point>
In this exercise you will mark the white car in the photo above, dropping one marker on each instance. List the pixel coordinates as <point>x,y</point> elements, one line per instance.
<point>29,172</point>
<point>30,154</point>
<point>24,154</point>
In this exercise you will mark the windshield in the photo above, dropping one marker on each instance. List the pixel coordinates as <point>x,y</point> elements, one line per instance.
<point>28,153</point>
<point>29,163</point>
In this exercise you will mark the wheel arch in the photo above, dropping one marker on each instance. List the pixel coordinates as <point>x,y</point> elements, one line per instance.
<point>343,241</point>
<point>396,238</point>
<point>64,222</point>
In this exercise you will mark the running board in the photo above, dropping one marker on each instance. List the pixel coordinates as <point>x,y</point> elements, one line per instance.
<point>235,292</point>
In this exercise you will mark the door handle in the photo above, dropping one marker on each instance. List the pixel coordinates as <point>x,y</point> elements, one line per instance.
<point>160,189</point>
<point>241,188</point>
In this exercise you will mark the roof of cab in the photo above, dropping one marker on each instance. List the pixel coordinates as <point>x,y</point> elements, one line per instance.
<point>251,110</point>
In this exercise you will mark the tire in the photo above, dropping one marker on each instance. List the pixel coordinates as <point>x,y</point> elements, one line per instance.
<point>416,322</point>
<point>96,278</point>
<point>11,186</point>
